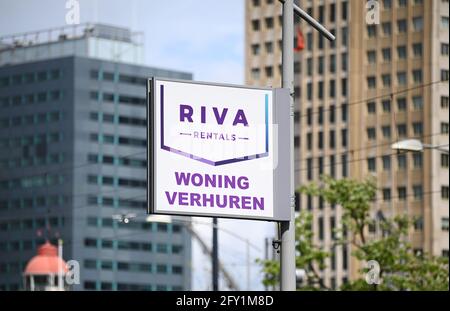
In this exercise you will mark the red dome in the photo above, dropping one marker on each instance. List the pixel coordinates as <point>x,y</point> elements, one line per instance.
<point>46,261</point>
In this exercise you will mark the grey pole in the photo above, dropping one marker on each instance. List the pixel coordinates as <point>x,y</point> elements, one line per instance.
<point>215,257</point>
<point>287,227</point>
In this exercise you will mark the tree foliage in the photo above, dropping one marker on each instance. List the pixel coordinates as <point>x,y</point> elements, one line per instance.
<point>400,267</point>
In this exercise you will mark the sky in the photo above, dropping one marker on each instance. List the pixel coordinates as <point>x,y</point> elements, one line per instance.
<point>204,37</point>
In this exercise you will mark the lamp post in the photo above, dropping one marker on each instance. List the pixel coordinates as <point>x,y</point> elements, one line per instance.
<point>287,260</point>
<point>215,257</point>
<point>415,145</point>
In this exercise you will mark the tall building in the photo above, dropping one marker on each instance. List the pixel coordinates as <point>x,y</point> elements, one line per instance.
<point>374,85</point>
<point>73,160</point>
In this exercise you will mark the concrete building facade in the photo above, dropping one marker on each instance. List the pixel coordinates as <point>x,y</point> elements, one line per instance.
<point>375,85</point>
<point>73,163</point>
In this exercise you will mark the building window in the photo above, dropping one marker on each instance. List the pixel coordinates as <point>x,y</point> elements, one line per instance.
<point>256,25</point>
<point>309,91</point>
<point>332,88</point>
<point>309,41</point>
<point>417,160</point>
<point>332,63</point>
<point>269,47</point>
<point>320,115</point>
<point>418,192</point>
<point>269,22</point>
<point>371,133</point>
<point>402,78</point>
<point>269,71</point>
<point>444,75</point>
<point>386,194</point>
<point>386,80</point>
<point>371,108</point>
<point>417,102</point>
<point>401,161</point>
<point>402,3</point>
<point>320,90</point>
<point>344,87</point>
<point>371,82</point>
<point>309,168</point>
<point>320,140</point>
<point>332,113</point>
<point>371,57</point>
<point>320,65</point>
<point>386,54</point>
<point>386,130</point>
<point>386,163</point>
<point>332,139</point>
<point>444,128</point>
<point>401,104</point>
<point>344,34</point>
<point>371,31</point>
<point>418,224</point>
<point>444,49</point>
<point>255,49</point>
<point>332,166</point>
<point>417,23</point>
<point>371,164</point>
<point>344,112</point>
<point>387,29</point>
<point>401,52</point>
<point>444,102</point>
<point>402,193</point>
<point>402,130</point>
<point>417,76</point>
<point>402,26</point>
<point>344,137</point>
<point>344,8</point>
<point>309,141</point>
<point>444,224</point>
<point>444,160</point>
<point>386,104</point>
<point>320,166</point>
<point>444,192</point>
<point>297,67</point>
<point>320,224</point>
<point>344,62</point>
<point>417,128</point>
<point>256,2</point>
<point>417,49</point>
<point>344,165</point>
<point>387,4</point>
<point>444,22</point>
<point>255,73</point>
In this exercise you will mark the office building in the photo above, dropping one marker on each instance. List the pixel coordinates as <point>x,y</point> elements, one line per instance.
<point>73,160</point>
<point>374,85</point>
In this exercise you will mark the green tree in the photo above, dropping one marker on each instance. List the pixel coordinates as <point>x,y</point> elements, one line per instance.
<point>400,267</point>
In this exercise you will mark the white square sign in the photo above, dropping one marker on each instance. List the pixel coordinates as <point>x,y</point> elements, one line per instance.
<point>212,152</point>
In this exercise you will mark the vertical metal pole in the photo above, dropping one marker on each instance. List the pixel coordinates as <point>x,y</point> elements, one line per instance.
<point>215,257</point>
<point>287,227</point>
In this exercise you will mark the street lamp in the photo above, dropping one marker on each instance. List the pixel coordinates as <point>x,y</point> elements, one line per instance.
<point>417,146</point>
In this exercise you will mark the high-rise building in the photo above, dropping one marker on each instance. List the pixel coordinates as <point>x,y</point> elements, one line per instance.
<point>73,161</point>
<point>374,85</point>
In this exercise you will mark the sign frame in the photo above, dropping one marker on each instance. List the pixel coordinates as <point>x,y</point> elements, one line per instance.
<point>281,112</point>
